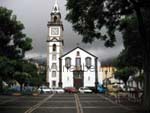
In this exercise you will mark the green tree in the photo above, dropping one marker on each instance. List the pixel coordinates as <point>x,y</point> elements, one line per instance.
<point>26,72</point>
<point>40,78</point>
<point>6,70</point>
<point>27,67</point>
<point>22,77</point>
<point>124,74</point>
<point>36,80</point>
<point>13,42</point>
<point>90,17</point>
<point>132,54</point>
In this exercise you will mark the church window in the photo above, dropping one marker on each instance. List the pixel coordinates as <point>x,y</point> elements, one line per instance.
<point>88,62</point>
<point>54,57</point>
<point>78,62</point>
<point>78,53</point>
<point>53,73</point>
<point>68,62</point>
<point>54,66</point>
<point>54,47</point>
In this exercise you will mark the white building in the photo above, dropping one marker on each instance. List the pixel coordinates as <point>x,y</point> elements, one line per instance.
<point>76,68</point>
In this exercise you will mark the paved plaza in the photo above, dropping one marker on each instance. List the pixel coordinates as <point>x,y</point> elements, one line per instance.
<point>62,103</point>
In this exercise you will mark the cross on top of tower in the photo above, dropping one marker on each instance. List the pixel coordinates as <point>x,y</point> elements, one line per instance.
<point>56,7</point>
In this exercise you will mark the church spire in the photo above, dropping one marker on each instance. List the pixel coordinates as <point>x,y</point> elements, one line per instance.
<point>56,7</point>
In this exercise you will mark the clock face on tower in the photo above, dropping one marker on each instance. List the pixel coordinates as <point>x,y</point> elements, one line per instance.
<point>54,31</point>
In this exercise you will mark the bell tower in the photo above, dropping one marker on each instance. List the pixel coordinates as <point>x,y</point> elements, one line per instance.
<point>55,45</point>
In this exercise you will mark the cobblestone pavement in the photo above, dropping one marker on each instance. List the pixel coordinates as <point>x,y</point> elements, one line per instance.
<point>61,103</point>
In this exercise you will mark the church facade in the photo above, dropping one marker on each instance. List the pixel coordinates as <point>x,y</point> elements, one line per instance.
<point>77,68</point>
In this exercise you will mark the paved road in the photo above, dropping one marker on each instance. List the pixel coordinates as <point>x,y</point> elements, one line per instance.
<point>61,103</point>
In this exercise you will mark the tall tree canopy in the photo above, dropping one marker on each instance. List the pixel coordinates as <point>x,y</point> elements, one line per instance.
<point>132,54</point>
<point>13,42</point>
<point>90,17</point>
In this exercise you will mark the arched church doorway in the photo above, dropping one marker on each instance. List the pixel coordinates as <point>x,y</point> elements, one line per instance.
<point>78,77</point>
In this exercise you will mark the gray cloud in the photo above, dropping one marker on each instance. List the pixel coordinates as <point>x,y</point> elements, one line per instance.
<point>35,14</point>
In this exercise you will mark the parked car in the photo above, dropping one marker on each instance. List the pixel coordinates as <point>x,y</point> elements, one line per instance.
<point>85,90</point>
<point>44,89</point>
<point>101,89</point>
<point>70,90</point>
<point>94,90</point>
<point>58,90</point>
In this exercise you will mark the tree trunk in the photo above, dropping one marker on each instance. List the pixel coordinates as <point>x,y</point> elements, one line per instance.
<point>147,85</point>
<point>146,62</point>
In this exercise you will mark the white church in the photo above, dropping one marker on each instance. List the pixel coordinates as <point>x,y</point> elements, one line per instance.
<point>76,68</point>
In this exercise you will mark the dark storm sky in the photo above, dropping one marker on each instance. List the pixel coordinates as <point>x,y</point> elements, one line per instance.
<point>35,14</point>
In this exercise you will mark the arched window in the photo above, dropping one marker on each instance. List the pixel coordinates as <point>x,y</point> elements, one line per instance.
<point>78,53</point>
<point>78,62</point>
<point>53,73</point>
<point>54,57</point>
<point>54,66</point>
<point>88,62</point>
<point>54,47</point>
<point>68,62</point>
